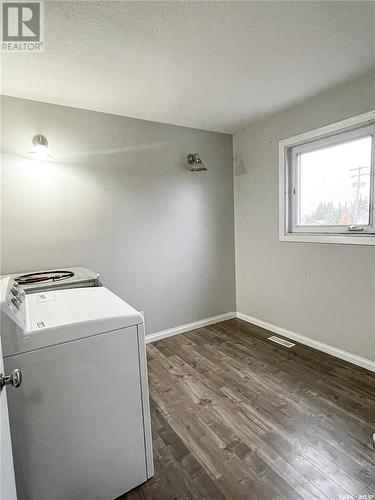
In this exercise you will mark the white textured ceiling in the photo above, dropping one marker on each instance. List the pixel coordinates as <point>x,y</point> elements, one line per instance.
<point>210,65</point>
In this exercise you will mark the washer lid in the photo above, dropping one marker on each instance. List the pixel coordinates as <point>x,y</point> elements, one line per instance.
<point>58,316</point>
<point>62,278</point>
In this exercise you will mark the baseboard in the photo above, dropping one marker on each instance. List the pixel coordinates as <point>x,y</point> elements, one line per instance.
<point>320,346</point>
<point>190,326</point>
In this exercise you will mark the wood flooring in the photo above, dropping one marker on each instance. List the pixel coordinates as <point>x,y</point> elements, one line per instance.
<point>236,416</point>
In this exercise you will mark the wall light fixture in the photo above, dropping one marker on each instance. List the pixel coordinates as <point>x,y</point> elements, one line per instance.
<point>196,163</point>
<point>40,148</point>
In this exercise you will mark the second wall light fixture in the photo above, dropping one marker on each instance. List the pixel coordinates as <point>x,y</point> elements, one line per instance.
<point>40,148</point>
<point>195,162</point>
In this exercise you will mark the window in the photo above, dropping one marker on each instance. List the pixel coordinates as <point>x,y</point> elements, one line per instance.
<point>327,184</point>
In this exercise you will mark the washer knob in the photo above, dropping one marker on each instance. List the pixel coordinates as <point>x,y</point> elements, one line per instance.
<point>16,301</point>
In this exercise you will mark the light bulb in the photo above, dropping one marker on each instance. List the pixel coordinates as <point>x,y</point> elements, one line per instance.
<point>40,149</point>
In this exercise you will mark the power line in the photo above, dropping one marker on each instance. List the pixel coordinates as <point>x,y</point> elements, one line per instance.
<point>357,186</point>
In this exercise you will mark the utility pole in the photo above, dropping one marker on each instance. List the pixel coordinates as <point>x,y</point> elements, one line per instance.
<point>357,184</point>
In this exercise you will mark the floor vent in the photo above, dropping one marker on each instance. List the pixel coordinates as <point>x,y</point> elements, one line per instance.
<point>283,342</point>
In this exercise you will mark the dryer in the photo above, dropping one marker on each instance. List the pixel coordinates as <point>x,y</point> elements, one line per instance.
<point>80,421</point>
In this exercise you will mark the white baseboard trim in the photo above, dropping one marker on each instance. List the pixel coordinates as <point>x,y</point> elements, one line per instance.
<point>190,326</point>
<point>320,346</point>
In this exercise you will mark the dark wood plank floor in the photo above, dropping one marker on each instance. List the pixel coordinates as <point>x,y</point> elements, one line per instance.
<point>236,416</point>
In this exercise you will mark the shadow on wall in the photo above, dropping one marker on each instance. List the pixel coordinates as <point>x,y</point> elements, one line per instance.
<point>238,165</point>
<point>164,151</point>
<point>67,158</point>
<point>158,153</point>
<point>115,157</point>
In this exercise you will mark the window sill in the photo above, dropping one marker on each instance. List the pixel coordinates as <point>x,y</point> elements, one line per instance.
<point>341,239</point>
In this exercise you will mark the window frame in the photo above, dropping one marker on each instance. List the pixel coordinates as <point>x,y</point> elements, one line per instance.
<point>350,129</point>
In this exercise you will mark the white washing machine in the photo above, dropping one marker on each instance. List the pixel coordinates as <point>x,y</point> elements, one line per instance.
<point>80,420</point>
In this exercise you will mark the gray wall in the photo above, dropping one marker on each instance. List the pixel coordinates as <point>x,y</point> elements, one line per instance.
<point>119,199</point>
<point>323,291</point>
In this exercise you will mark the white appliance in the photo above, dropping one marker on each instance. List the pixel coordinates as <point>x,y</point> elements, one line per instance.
<point>80,420</point>
<point>70,277</point>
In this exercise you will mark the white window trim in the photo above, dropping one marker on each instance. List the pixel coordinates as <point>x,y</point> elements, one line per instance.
<point>284,216</point>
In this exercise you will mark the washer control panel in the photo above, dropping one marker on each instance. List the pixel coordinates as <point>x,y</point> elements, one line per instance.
<point>15,296</point>
<point>13,308</point>
<point>15,303</point>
